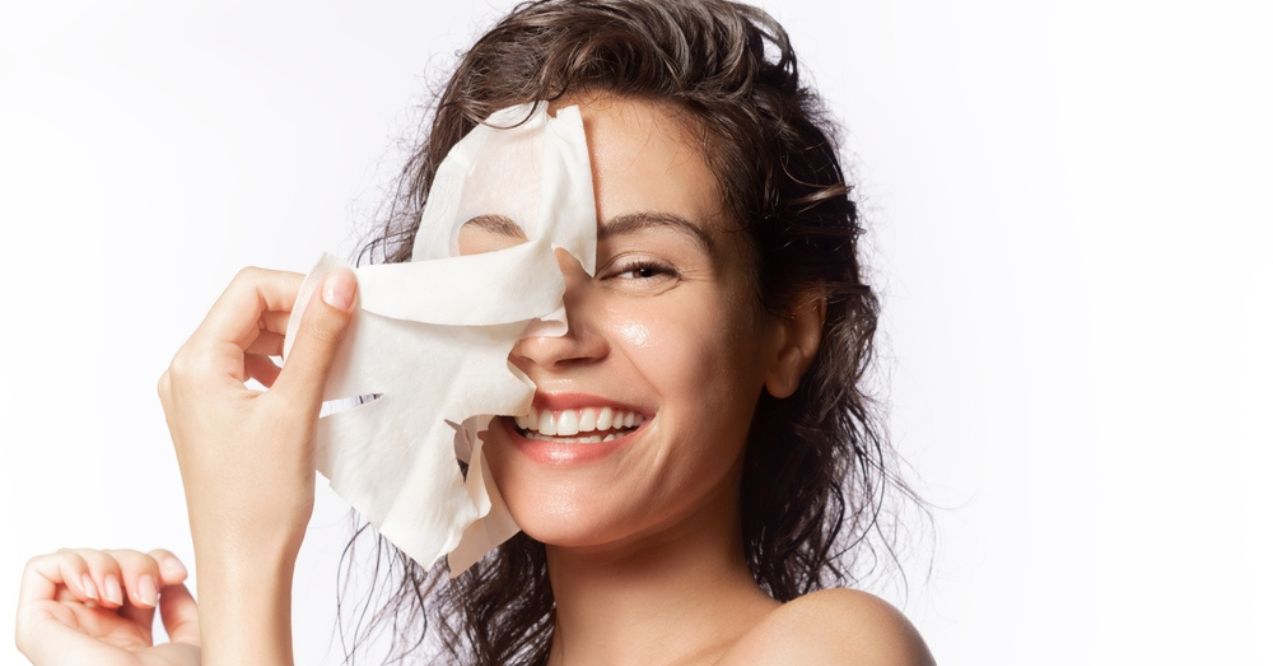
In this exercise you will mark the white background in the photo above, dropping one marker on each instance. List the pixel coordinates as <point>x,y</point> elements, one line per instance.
<point>1069,218</point>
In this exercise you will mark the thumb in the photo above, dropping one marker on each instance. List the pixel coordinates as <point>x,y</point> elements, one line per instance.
<point>322,328</point>
<point>180,614</point>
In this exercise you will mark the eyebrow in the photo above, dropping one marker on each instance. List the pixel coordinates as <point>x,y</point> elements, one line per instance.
<point>634,222</point>
<point>497,224</point>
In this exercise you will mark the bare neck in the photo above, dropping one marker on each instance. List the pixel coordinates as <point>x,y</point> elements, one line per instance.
<point>685,592</point>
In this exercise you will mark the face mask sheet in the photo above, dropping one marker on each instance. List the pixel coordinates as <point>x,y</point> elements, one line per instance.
<point>432,337</point>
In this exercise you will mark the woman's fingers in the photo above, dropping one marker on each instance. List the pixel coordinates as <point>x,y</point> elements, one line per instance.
<point>58,622</point>
<point>74,576</point>
<point>323,323</point>
<point>140,576</point>
<point>81,575</point>
<point>275,321</point>
<point>170,566</point>
<point>180,614</point>
<point>42,634</point>
<point>102,571</point>
<point>124,580</point>
<point>42,577</point>
<point>73,579</point>
<point>214,353</point>
<point>253,291</point>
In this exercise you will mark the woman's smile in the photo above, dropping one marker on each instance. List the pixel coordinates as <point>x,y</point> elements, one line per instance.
<point>588,430</point>
<point>565,429</point>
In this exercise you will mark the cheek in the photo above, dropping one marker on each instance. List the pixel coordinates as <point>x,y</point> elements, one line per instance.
<point>697,355</point>
<point>700,362</point>
<point>695,358</point>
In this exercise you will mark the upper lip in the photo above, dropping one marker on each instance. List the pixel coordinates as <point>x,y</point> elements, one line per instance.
<point>559,401</point>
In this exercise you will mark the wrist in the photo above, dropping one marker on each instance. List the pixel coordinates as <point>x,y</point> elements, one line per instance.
<point>238,559</point>
<point>245,604</point>
<point>222,539</point>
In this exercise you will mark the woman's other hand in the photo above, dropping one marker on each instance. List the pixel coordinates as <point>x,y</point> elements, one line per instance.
<point>86,606</point>
<point>245,455</point>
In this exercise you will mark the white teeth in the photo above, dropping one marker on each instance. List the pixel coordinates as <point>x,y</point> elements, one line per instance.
<point>547,424</point>
<point>588,419</point>
<point>568,423</point>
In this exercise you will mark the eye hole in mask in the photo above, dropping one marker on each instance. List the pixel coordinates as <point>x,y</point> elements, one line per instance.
<point>488,233</point>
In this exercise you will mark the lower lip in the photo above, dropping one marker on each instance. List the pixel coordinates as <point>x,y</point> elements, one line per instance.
<point>566,453</point>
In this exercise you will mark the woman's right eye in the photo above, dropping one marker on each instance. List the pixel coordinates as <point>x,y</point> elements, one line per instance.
<point>646,270</point>
<point>643,277</point>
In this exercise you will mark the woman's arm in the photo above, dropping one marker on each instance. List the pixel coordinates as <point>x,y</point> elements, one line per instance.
<point>246,456</point>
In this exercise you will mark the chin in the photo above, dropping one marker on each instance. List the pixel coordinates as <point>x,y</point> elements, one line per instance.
<point>568,522</point>
<point>564,507</point>
<point>566,538</point>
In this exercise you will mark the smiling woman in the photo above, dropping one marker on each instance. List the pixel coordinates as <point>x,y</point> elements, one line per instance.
<point>701,468</point>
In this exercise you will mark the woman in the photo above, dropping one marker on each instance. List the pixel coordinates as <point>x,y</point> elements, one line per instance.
<point>736,321</point>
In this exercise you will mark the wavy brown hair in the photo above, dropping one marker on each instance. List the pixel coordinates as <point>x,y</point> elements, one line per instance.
<point>817,464</point>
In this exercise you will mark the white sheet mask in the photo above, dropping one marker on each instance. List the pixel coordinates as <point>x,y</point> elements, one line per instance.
<point>432,336</point>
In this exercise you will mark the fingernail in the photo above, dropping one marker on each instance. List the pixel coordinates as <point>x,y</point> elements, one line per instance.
<point>338,289</point>
<point>112,591</point>
<point>174,568</point>
<point>146,590</point>
<point>90,590</point>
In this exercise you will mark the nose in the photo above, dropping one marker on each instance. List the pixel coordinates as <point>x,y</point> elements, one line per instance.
<point>583,342</point>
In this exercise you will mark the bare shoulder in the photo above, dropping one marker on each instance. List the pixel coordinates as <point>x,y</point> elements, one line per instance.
<point>835,626</point>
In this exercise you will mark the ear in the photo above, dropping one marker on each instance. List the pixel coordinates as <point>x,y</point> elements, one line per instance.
<point>798,338</point>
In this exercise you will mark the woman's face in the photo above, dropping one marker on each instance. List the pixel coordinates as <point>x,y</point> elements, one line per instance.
<point>668,329</point>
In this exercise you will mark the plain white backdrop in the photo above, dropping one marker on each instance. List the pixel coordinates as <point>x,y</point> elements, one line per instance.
<point>1069,216</point>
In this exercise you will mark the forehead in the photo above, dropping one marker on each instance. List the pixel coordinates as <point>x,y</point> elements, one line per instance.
<point>645,156</point>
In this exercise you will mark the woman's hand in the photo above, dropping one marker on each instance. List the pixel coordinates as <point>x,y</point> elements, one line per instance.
<point>98,607</point>
<point>246,456</point>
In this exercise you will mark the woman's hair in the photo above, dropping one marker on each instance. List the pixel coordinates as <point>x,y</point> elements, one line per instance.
<point>816,463</point>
